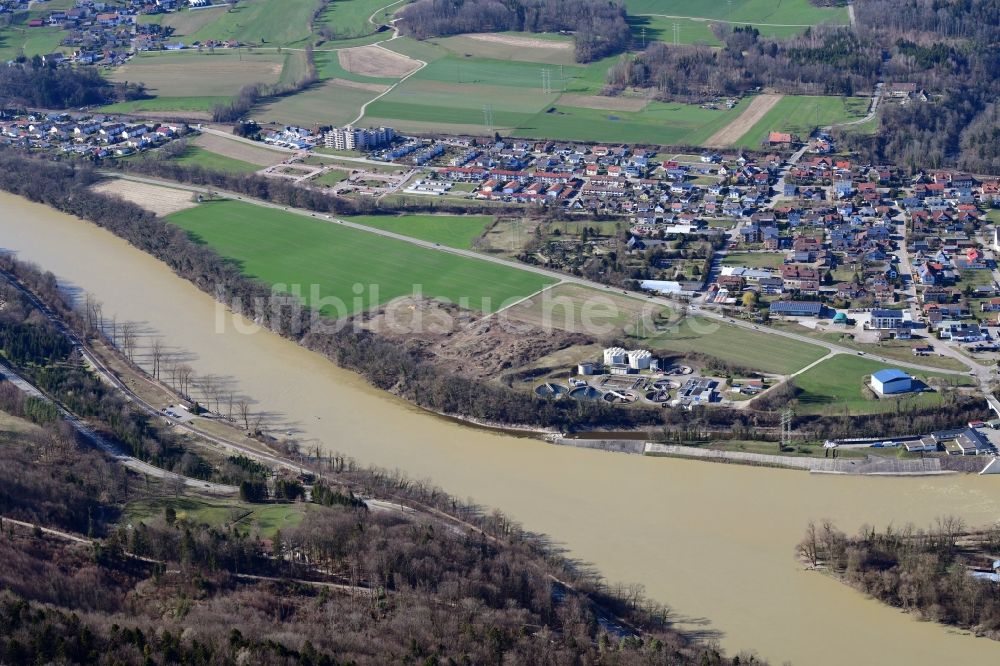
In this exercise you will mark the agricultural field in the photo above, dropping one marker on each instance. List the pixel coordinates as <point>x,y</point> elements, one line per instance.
<point>795,13</point>
<point>266,519</point>
<point>191,81</point>
<point>331,102</point>
<point>285,248</point>
<point>189,107</point>
<point>457,231</point>
<point>659,122</point>
<point>801,114</point>
<point>156,199</point>
<point>348,20</point>
<point>255,154</point>
<point>259,22</point>
<point>836,386</point>
<point>528,47</point>
<point>195,156</point>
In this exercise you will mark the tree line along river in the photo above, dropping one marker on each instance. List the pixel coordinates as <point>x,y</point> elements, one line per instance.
<point>714,541</point>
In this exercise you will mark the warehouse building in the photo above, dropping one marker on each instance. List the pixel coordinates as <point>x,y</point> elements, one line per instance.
<point>891,381</point>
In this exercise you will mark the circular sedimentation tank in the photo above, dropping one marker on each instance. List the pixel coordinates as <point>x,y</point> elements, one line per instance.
<point>658,396</point>
<point>621,397</point>
<point>665,385</point>
<point>586,393</point>
<point>550,390</point>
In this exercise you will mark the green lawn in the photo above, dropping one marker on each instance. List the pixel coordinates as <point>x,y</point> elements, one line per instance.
<point>772,260</point>
<point>195,156</point>
<point>836,386</point>
<point>801,114</point>
<point>327,261</point>
<point>265,518</point>
<point>330,178</point>
<point>166,104</point>
<point>750,349</point>
<point>450,230</point>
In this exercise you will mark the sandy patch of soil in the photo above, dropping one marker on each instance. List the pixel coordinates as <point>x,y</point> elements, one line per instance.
<point>154,198</point>
<point>376,61</point>
<point>467,343</point>
<point>732,132</point>
<point>518,41</point>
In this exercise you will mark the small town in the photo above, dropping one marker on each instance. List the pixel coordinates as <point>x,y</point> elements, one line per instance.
<point>499,332</point>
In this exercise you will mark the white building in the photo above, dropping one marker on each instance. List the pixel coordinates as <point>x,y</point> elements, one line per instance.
<point>355,138</point>
<point>615,356</point>
<point>639,359</point>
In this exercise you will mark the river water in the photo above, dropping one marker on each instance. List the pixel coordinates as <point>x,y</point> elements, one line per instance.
<point>714,541</point>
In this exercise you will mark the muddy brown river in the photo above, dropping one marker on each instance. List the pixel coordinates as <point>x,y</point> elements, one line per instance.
<point>714,541</point>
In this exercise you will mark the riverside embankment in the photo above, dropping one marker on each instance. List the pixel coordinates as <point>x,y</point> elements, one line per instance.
<point>715,541</point>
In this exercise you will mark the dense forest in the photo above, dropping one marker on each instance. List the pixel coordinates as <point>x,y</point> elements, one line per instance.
<point>441,583</point>
<point>921,571</point>
<point>824,61</point>
<point>946,49</point>
<point>35,84</point>
<point>598,26</point>
<point>949,50</point>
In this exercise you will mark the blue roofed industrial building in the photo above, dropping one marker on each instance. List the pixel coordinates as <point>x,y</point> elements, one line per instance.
<point>891,381</point>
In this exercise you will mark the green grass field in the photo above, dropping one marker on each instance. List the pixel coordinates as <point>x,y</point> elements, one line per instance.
<point>191,74</point>
<point>248,518</point>
<point>329,179</point>
<point>262,22</point>
<point>801,114</point>
<point>284,248</point>
<point>349,19</point>
<point>551,49</point>
<point>750,349</point>
<point>754,259</point>
<point>326,103</point>
<point>195,156</point>
<point>450,230</point>
<point>784,12</point>
<point>166,104</point>
<point>836,386</point>
<point>660,123</point>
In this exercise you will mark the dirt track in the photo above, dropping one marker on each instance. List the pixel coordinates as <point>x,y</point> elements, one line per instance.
<point>753,114</point>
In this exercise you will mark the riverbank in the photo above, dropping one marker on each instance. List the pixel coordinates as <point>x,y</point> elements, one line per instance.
<point>674,525</point>
<point>868,464</point>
